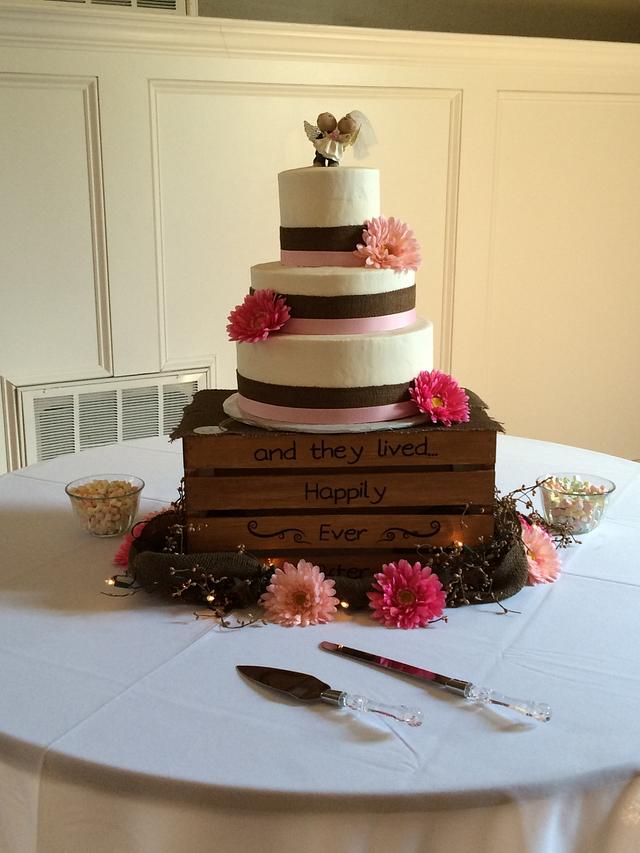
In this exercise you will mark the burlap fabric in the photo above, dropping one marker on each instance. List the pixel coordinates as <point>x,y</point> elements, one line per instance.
<point>246,577</point>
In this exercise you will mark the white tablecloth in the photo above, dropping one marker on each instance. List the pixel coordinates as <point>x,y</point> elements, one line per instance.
<point>124,727</point>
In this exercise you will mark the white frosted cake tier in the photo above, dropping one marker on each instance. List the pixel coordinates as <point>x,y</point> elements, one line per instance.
<point>314,197</point>
<point>342,379</point>
<point>340,300</point>
<point>328,281</point>
<point>340,361</point>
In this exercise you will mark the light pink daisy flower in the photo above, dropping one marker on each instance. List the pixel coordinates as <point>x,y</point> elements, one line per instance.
<point>406,596</point>
<point>260,314</point>
<point>542,555</point>
<point>439,396</point>
<point>388,244</point>
<point>299,595</point>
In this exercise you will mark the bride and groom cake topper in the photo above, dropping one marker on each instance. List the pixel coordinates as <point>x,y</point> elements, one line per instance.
<point>330,136</point>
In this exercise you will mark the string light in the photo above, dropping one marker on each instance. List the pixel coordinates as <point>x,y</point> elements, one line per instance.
<point>121,582</point>
<point>472,572</point>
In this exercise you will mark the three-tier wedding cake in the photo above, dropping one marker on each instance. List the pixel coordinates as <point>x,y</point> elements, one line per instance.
<point>329,333</point>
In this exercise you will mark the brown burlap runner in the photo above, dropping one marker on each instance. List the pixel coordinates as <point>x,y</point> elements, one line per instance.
<point>245,577</point>
<point>205,410</point>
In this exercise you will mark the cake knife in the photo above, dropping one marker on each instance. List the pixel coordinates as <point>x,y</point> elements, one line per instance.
<point>471,692</point>
<point>308,688</point>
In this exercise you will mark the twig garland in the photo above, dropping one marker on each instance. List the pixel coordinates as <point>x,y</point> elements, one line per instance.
<point>492,570</point>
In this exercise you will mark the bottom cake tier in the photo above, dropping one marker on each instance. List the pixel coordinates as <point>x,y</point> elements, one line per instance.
<point>328,379</point>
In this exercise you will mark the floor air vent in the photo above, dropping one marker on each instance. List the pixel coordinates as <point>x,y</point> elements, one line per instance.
<point>141,412</point>
<point>173,6</point>
<point>61,419</point>
<point>54,426</point>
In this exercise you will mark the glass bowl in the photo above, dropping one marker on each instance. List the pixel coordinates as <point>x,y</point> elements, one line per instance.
<point>576,500</point>
<point>105,504</point>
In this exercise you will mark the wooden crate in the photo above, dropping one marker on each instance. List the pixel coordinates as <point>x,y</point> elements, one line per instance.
<point>348,501</point>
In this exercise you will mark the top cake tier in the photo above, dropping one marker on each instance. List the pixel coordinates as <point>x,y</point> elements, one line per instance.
<point>322,213</point>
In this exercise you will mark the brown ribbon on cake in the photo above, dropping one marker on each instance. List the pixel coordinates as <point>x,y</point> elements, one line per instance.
<point>350,306</point>
<point>323,398</point>
<point>342,238</point>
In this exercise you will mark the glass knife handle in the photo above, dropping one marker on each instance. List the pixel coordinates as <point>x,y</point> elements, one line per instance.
<point>412,716</point>
<point>486,696</point>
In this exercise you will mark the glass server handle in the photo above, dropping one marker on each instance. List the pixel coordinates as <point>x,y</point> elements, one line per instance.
<point>411,716</point>
<point>485,696</point>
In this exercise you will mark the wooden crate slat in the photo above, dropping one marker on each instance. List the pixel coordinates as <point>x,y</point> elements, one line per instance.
<point>350,532</point>
<point>339,491</point>
<point>362,450</point>
<point>354,564</point>
<point>349,501</point>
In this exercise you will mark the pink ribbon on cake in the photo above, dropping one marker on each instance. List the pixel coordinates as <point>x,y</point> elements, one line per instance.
<point>290,258</point>
<point>362,415</point>
<point>348,326</point>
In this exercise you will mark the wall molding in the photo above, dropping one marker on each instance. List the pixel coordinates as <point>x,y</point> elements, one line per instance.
<point>42,377</point>
<point>88,87</point>
<point>11,436</point>
<point>98,225</point>
<point>56,26</point>
<point>502,97</point>
<point>450,234</point>
<point>356,93</point>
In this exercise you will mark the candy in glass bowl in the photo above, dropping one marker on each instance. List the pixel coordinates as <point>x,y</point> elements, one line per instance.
<point>576,500</point>
<point>105,504</point>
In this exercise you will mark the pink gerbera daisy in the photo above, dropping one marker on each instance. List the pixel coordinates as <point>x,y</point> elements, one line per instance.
<point>542,555</point>
<point>406,596</point>
<point>388,243</point>
<point>260,314</point>
<point>299,595</point>
<point>439,396</point>
<point>121,557</point>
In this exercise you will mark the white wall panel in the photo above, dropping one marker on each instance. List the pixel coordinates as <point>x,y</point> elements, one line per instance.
<point>563,303</point>
<point>54,301</point>
<point>218,150</point>
<point>134,255</point>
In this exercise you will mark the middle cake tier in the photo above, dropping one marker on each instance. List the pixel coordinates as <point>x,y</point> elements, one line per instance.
<point>343,379</point>
<point>335,300</point>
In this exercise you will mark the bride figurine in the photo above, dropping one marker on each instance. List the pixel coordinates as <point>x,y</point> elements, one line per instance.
<point>331,137</point>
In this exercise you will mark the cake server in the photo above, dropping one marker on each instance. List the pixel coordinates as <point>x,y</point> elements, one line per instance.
<point>471,692</point>
<point>308,688</point>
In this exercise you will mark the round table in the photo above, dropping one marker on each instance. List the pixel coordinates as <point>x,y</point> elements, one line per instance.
<point>124,727</point>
